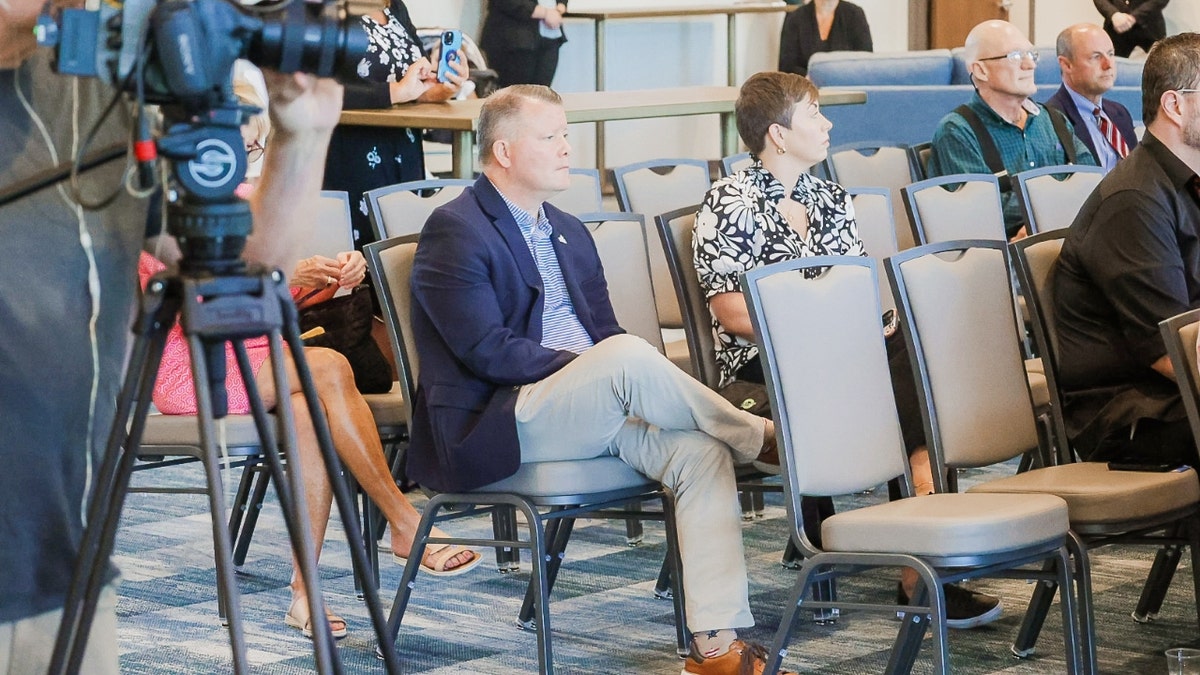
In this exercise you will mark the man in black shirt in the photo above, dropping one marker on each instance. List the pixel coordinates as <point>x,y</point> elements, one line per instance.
<point>1130,260</point>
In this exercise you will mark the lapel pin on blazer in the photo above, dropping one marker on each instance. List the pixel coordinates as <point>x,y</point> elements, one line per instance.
<point>562,239</point>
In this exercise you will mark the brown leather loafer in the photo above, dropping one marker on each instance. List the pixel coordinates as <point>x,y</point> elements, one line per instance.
<point>742,657</point>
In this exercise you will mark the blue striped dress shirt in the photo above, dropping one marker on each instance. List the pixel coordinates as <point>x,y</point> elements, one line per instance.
<point>561,328</point>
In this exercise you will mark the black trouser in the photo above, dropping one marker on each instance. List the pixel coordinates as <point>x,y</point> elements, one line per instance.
<point>527,66</point>
<point>1152,442</point>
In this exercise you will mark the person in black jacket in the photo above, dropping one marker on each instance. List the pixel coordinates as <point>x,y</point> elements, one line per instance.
<point>1133,23</point>
<point>822,26</point>
<point>395,70</point>
<point>521,39</point>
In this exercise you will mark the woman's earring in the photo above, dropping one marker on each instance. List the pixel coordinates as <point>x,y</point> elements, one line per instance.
<point>779,150</point>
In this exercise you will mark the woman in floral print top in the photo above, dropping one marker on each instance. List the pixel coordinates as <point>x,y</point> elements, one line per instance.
<point>395,70</point>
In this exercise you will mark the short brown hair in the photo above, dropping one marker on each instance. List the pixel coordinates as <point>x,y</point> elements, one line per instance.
<point>1173,63</point>
<point>501,107</point>
<point>766,99</point>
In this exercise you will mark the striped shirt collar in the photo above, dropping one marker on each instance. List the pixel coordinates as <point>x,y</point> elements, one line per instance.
<point>527,222</point>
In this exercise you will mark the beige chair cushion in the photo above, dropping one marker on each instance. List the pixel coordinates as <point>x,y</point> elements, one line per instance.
<point>388,408</point>
<point>949,524</point>
<point>1096,495</point>
<point>181,432</point>
<point>1039,389</point>
<point>677,352</point>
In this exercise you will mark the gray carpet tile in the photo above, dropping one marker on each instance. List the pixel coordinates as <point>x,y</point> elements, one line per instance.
<point>604,616</point>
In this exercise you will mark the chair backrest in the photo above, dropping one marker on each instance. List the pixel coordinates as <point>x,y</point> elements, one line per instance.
<point>919,155</point>
<point>401,209</point>
<point>950,208</point>
<point>675,232</point>
<point>658,186</point>
<point>584,194</point>
<point>391,263</point>
<point>877,229</point>
<point>1179,335</point>
<point>875,164</point>
<point>735,163</point>
<point>331,232</point>
<point>621,242</point>
<point>955,300</point>
<point>1050,197</point>
<point>838,428</point>
<point>1036,259</point>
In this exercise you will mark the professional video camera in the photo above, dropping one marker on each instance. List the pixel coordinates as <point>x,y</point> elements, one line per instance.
<point>179,55</point>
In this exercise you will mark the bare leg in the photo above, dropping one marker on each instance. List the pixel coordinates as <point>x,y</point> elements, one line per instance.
<point>356,441</point>
<point>922,474</point>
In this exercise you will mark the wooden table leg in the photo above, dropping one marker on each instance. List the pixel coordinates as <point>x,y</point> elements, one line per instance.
<point>461,156</point>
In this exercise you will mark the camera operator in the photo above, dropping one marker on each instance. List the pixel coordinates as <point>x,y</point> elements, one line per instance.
<point>69,286</point>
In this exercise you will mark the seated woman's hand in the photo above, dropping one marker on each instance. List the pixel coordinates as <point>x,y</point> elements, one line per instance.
<point>457,76</point>
<point>317,272</point>
<point>414,84</point>
<point>353,269</point>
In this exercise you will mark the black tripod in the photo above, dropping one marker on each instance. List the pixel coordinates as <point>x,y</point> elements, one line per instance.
<point>217,307</point>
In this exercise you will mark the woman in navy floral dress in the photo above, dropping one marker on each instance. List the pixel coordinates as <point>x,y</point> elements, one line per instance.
<point>395,70</point>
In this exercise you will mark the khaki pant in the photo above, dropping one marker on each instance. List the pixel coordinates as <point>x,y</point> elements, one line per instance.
<point>27,645</point>
<point>623,398</point>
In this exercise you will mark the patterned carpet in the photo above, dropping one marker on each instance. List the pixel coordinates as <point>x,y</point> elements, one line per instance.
<point>604,617</point>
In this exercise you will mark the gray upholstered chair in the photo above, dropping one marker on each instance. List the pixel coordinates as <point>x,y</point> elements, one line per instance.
<point>583,196</point>
<point>401,209</point>
<point>954,301</point>
<point>839,434</point>
<point>550,495</point>
<point>1050,197</point>
<point>949,208</point>
<point>876,164</point>
<point>877,228</point>
<point>654,187</point>
<point>735,163</point>
<point>675,234</point>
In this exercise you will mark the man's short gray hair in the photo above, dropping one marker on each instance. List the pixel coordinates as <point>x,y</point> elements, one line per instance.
<point>501,107</point>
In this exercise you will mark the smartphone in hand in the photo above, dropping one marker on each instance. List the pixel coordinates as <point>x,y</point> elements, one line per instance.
<point>451,43</point>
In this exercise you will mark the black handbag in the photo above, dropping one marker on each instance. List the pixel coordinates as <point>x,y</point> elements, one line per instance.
<point>748,396</point>
<point>347,323</point>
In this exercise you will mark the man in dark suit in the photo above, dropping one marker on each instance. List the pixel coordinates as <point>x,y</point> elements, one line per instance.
<point>1133,23</point>
<point>1086,58</point>
<point>522,360</point>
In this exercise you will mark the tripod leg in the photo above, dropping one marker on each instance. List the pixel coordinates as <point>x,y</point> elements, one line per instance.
<point>341,494</point>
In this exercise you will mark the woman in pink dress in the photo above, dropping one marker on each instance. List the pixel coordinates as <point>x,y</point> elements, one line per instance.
<point>355,437</point>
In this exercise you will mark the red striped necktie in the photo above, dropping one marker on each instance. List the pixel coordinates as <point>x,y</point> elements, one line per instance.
<point>1110,133</point>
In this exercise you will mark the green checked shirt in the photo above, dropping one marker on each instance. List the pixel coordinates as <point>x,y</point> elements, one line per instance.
<point>955,149</point>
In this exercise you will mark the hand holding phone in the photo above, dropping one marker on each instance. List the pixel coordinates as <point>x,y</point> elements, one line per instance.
<point>451,44</point>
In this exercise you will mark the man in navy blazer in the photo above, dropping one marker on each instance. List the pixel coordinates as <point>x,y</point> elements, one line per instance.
<point>1089,69</point>
<point>522,360</point>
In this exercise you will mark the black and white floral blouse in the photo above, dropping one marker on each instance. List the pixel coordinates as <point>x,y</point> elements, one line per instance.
<point>391,49</point>
<point>739,227</point>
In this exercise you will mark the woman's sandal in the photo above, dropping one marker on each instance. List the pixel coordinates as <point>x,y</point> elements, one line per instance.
<point>303,621</point>
<point>436,558</point>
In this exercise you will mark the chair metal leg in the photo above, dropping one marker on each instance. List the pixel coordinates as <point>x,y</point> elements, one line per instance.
<point>1157,582</point>
<point>1071,638</point>
<point>1083,605</point>
<point>663,586</point>
<point>788,622</point>
<point>541,588</point>
<point>558,533</point>
<point>1192,528</point>
<point>1035,616</point>
<point>415,555</point>
<point>912,632</point>
<point>634,532</point>
<point>504,527</point>
<point>247,504</point>
<point>675,561</point>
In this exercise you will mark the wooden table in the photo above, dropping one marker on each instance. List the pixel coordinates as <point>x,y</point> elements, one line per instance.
<point>731,12</point>
<point>462,117</point>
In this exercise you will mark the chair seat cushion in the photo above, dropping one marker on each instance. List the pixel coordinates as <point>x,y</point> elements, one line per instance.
<point>949,524</point>
<point>1096,495</point>
<point>180,434</point>
<point>571,477</point>
<point>388,408</point>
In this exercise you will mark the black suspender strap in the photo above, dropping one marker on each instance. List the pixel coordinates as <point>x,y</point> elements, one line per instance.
<point>987,146</point>
<point>991,154</point>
